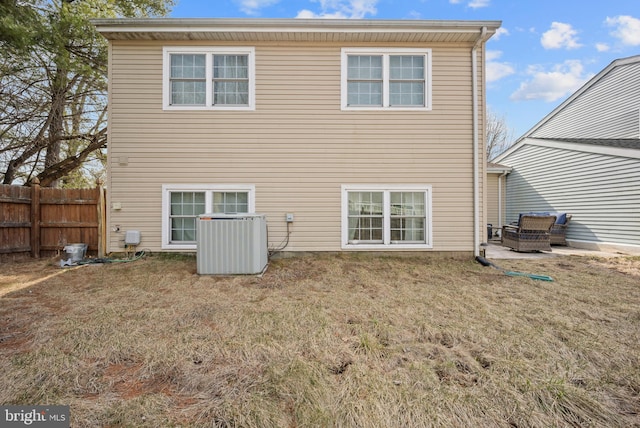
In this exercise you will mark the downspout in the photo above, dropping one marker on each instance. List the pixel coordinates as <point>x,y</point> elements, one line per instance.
<point>500,180</point>
<point>476,169</point>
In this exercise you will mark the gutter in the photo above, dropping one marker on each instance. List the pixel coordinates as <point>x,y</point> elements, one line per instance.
<point>476,170</point>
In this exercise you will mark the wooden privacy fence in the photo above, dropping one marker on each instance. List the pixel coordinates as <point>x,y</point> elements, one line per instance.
<point>40,221</point>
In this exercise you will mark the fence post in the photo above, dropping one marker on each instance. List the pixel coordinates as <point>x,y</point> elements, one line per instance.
<point>35,218</point>
<point>102,219</point>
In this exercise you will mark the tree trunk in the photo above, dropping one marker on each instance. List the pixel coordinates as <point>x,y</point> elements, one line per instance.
<point>56,127</point>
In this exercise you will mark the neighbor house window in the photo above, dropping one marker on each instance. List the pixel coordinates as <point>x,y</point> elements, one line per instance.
<point>182,204</point>
<point>208,78</point>
<point>390,216</point>
<point>386,79</point>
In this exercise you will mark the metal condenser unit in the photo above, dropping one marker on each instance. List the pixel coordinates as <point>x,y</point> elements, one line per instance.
<point>230,244</point>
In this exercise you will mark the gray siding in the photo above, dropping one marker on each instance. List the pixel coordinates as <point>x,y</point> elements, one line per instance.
<point>609,108</point>
<point>602,192</point>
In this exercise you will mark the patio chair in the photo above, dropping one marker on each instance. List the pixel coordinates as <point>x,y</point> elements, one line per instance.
<point>532,233</point>
<point>559,230</point>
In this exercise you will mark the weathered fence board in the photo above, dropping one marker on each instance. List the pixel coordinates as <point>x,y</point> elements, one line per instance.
<point>40,221</point>
<point>15,219</point>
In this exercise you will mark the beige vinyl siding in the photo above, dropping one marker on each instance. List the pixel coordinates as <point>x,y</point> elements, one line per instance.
<point>297,147</point>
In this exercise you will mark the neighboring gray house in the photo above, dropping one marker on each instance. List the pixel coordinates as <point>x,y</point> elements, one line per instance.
<point>584,159</point>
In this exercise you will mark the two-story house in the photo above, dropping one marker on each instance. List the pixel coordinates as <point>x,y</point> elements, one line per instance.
<point>368,133</point>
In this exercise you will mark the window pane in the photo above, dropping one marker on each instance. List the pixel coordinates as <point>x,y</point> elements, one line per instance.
<point>231,202</point>
<point>231,67</point>
<point>407,213</point>
<point>231,79</point>
<point>187,66</point>
<point>185,207</point>
<point>183,229</point>
<point>406,67</point>
<point>364,67</point>
<point>364,93</point>
<point>407,203</point>
<point>231,92</point>
<point>188,92</point>
<point>406,94</point>
<point>365,216</point>
<point>407,229</point>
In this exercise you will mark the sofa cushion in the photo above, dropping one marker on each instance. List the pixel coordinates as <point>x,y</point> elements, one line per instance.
<point>561,218</point>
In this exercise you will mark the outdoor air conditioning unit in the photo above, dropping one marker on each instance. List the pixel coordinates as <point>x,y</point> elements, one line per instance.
<point>230,244</point>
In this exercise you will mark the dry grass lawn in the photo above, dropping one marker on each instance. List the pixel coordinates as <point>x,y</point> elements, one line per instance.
<point>347,340</point>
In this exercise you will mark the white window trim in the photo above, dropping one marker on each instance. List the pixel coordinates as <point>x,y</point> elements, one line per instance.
<point>386,245</point>
<point>385,52</point>
<point>226,50</point>
<point>208,189</point>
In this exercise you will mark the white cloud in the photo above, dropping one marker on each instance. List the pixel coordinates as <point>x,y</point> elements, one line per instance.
<point>560,35</point>
<point>497,70</point>
<point>552,85</point>
<point>252,7</point>
<point>627,29</point>
<point>476,4</point>
<point>499,33</point>
<point>307,14</point>
<point>341,9</point>
<point>602,47</point>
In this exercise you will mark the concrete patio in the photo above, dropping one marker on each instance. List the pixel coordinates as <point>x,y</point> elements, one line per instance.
<point>493,250</point>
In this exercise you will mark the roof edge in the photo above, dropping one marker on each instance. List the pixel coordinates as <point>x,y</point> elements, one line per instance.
<point>569,145</point>
<point>287,25</point>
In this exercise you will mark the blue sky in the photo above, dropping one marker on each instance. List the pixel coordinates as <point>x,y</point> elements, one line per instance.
<point>544,51</point>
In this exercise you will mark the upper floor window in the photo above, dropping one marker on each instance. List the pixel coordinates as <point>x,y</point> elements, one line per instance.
<point>386,79</point>
<point>209,78</point>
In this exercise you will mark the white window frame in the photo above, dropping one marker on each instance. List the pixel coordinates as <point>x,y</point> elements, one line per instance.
<point>385,53</point>
<point>209,190</point>
<point>386,225</point>
<point>209,52</point>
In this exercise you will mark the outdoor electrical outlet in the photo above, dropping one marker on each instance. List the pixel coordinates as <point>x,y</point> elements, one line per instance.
<point>289,217</point>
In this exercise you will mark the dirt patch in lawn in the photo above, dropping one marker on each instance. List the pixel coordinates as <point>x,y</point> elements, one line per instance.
<point>326,340</point>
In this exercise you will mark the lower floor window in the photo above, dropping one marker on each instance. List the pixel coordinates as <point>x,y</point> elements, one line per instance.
<point>182,204</point>
<point>387,216</point>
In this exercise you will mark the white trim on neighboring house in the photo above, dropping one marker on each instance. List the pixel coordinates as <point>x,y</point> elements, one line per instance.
<point>209,189</point>
<point>503,171</point>
<point>209,51</point>
<point>385,53</point>
<point>566,145</point>
<point>386,189</point>
<point>605,246</point>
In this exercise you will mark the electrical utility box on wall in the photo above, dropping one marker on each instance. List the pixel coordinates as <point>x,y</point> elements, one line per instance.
<point>229,244</point>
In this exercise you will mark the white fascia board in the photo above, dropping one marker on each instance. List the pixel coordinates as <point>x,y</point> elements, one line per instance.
<point>226,25</point>
<point>499,170</point>
<point>576,147</point>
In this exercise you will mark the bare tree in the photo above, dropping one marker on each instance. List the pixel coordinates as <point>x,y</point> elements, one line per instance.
<point>499,135</point>
<point>53,83</point>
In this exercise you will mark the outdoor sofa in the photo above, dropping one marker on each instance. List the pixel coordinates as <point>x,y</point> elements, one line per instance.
<point>531,233</point>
